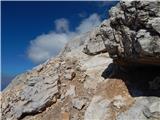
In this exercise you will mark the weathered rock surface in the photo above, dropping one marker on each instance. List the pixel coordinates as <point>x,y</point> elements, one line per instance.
<point>97,110</point>
<point>69,74</point>
<point>130,35</point>
<point>32,96</point>
<point>84,83</point>
<point>78,103</point>
<point>71,91</point>
<point>143,109</point>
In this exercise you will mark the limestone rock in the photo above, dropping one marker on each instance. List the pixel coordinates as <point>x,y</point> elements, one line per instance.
<point>75,43</point>
<point>78,103</point>
<point>35,96</point>
<point>152,111</point>
<point>154,23</point>
<point>99,45</point>
<point>71,91</point>
<point>118,102</point>
<point>141,110</point>
<point>90,83</point>
<point>69,74</point>
<point>130,35</point>
<point>97,110</point>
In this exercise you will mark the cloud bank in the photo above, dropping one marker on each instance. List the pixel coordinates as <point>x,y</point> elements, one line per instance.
<point>49,45</point>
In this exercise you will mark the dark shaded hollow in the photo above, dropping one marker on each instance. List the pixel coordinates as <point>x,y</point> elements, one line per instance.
<point>138,78</point>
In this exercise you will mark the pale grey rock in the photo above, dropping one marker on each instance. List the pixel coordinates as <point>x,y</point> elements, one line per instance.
<point>155,107</point>
<point>90,82</point>
<point>147,112</point>
<point>69,74</point>
<point>38,68</point>
<point>71,91</point>
<point>152,111</point>
<point>40,95</point>
<point>18,79</point>
<point>75,43</point>
<point>97,109</point>
<point>94,68</point>
<point>96,61</point>
<point>78,103</point>
<point>118,102</point>
<point>143,109</point>
<point>144,40</point>
<point>37,93</point>
<point>155,24</point>
<point>62,96</point>
<point>135,112</point>
<point>33,81</point>
<point>95,44</point>
<point>130,35</point>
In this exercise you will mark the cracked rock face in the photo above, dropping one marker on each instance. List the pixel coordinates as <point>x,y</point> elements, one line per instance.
<point>33,97</point>
<point>131,34</point>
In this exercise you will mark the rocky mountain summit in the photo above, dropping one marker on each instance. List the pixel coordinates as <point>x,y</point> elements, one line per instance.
<point>109,73</point>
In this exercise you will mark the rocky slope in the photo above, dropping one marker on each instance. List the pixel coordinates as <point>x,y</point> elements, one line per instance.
<point>85,82</point>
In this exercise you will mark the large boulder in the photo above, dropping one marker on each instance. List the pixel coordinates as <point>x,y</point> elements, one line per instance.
<point>130,35</point>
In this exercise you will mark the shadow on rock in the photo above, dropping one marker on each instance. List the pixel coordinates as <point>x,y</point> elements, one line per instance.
<point>141,80</point>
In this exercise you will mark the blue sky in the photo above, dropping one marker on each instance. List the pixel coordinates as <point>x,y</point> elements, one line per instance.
<point>28,26</point>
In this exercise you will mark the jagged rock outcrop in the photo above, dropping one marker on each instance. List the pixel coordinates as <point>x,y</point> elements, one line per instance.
<point>131,34</point>
<point>84,82</point>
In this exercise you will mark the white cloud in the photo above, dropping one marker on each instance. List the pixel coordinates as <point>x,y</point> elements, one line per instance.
<point>46,45</point>
<point>62,25</point>
<point>49,45</point>
<point>89,23</point>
